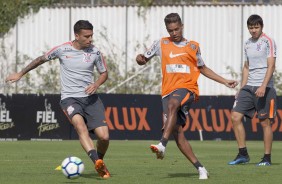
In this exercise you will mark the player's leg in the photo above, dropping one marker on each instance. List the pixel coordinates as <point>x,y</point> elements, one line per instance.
<point>187,151</point>
<point>82,132</point>
<point>267,137</point>
<point>73,109</point>
<point>266,114</point>
<point>243,106</point>
<point>103,141</point>
<point>171,106</point>
<point>238,128</point>
<point>96,123</point>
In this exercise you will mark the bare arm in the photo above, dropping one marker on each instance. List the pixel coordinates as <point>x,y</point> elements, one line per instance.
<point>245,73</point>
<point>92,88</point>
<point>35,63</point>
<point>207,72</point>
<point>269,72</point>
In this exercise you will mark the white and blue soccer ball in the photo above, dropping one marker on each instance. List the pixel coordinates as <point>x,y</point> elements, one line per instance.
<point>72,167</point>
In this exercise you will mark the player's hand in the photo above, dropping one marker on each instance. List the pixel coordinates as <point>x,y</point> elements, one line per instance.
<point>140,59</point>
<point>260,92</point>
<point>231,83</point>
<point>91,89</point>
<point>13,78</point>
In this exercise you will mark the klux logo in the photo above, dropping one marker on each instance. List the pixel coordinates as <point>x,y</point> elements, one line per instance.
<point>5,120</point>
<point>46,119</point>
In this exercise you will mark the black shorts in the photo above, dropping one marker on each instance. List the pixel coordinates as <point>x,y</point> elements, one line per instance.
<point>248,104</point>
<point>90,108</point>
<point>186,98</point>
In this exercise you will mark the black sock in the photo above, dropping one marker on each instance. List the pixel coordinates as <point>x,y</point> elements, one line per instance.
<point>197,165</point>
<point>267,157</point>
<point>100,155</point>
<point>164,141</point>
<point>243,151</point>
<point>93,155</point>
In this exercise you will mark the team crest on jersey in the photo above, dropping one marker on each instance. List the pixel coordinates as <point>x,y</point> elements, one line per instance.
<point>193,46</point>
<point>87,57</point>
<point>259,46</point>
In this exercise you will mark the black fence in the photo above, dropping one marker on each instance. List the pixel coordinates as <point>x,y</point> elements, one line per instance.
<point>132,117</point>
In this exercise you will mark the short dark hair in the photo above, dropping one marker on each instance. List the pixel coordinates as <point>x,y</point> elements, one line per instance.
<point>172,18</point>
<point>254,20</point>
<point>82,24</point>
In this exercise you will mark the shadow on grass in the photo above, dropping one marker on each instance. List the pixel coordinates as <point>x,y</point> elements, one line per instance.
<point>182,175</point>
<point>94,176</point>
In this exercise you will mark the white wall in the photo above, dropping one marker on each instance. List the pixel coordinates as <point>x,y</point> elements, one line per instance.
<point>220,30</point>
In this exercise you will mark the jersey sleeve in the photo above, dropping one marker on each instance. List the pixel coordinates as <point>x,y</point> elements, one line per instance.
<point>53,53</point>
<point>100,62</point>
<point>271,48</point>
<point>200,61</point>
<point>245,52</point>
<point>154,50</point>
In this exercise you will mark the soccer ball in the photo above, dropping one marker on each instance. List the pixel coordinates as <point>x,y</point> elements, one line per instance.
<point>72,167</point>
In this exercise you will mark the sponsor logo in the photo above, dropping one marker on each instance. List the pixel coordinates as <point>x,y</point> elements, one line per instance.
<point>263,114</point>
<point>259,46</point>
<point>87,57</point>
<point>5,121</point>
<point>171,55</point>
<point>193,46</point>
<point>175,94</point>
<point>70,109</point>
<point>235,103</point>
<point>120,120</point>
<point>46,119</point>
<point>68,57</point>
<point>54,54</point>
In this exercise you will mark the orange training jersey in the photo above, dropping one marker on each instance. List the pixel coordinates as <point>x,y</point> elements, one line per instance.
<point>179,67</point>
<point>179,64</point>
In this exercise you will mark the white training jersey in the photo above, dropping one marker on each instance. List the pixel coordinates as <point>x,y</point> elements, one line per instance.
<point>76,67</point>
<point>256,53</point>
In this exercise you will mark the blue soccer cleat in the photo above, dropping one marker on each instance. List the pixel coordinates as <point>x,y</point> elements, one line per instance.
<point>264,162</point>
<point>240,159</point>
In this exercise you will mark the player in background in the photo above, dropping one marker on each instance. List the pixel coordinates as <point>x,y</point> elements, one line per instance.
<point>79,102</point>
<point>257,93</point>
<point>181,65</point>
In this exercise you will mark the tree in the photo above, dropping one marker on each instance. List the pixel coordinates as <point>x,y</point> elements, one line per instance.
<point>12,10</point>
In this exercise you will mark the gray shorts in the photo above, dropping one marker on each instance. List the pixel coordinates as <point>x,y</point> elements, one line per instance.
<point>90,108</point>
<point>186,98</point>
<point>248,104</point>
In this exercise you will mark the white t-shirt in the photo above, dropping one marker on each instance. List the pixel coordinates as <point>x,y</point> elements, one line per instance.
<point>76,68</point>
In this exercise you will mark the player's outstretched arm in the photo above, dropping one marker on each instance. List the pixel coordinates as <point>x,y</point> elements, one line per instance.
<point>207,72</point>
<point>35,63</point>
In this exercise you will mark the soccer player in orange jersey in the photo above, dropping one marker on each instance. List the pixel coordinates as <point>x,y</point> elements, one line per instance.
<point>181,64</point>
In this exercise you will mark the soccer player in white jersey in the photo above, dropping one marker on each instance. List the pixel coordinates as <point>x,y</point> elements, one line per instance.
<point>257,93</point>
<point>79,101</point>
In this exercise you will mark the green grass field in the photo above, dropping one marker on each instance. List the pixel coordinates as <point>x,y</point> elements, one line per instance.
<point>131,162</point>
